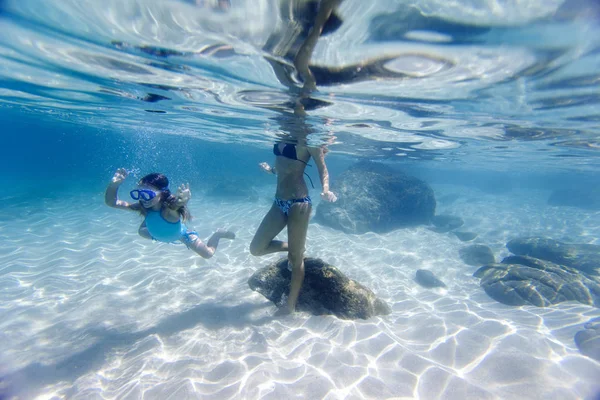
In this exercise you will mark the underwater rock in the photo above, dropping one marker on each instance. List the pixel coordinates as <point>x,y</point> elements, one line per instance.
<point>427,279</point>
<point>446,223</point>
<point>580,198</point>
<point>375,198</point>
<point>325,290</point>
<point>465,236</point>
<point>521,280</point>
<point>584,257</point>
<point>477,255</point>
<point>588,339</point>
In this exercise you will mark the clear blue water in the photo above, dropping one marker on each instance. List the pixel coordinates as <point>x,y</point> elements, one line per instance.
<point>497,102</point>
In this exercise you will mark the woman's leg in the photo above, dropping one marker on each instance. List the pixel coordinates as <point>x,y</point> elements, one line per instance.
<point>193,242</point>
<point>271,225</point>
<point>298,219</point>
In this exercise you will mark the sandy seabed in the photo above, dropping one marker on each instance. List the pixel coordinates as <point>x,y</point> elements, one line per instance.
<point>90,310</point>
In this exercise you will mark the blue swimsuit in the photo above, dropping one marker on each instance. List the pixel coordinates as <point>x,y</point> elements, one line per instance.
<point>168,232</point>
<point>162,230</point>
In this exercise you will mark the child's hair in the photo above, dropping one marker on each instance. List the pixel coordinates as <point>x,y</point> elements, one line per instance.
<point>161,182</point>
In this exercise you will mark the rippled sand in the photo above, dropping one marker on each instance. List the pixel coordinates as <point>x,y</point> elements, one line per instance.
<point>90,310</point>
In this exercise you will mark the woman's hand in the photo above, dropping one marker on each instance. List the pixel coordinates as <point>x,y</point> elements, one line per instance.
<point>183,194</point>
<point>266,167</point>
<point>329,197</point>
<point>119,176</point>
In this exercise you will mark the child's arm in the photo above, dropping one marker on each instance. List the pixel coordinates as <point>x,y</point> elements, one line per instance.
<point>111,197</point>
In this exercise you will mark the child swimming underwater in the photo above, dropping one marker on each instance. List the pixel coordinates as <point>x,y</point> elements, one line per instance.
<point>164,213</point>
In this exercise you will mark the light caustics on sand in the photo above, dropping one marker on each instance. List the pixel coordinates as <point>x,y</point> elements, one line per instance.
<point>150,319</point>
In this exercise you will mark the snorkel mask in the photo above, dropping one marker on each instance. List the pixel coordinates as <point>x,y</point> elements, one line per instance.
<point>142,194</point>
<point>147,197</point>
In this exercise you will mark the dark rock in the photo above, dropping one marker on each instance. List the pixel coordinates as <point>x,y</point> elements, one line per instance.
<point>588,340</point>
<point>375,198</point>
<point>584,257</point>
<point>446,223</point>
<point>325,290</point>
<point>427,279</point>
<point>521,280</point>
<point>477,255</point>
<point>587,199</point>
<point>465,236</point>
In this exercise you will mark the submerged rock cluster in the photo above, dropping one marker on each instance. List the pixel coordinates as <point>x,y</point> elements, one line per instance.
<point>520,280</point>
<point>544,272</point>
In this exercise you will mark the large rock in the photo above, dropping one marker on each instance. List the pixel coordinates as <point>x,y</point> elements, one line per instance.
<point>588,340</point>
<point>584,257</point>
<point>375,198</point>
<point>588,199</point>
<point>477,255</point>
<point>325,290</point>
<point>521,280</point>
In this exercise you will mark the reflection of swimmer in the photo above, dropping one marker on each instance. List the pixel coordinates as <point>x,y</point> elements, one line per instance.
<point>164,213</point>
<point>304,21</point>
<point>298,17</point>
<point>292,206</point>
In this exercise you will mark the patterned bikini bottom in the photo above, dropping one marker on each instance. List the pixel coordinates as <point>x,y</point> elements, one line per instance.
<point>285,205</point>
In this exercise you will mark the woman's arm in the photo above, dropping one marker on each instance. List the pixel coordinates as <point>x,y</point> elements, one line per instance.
<point>267,168</point>
<point>319,156</point>
<point>111,197</point>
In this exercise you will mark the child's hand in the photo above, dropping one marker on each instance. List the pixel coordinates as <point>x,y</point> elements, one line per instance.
<point>266,167</point>
<point>183,194</point>
<point>120,176</point>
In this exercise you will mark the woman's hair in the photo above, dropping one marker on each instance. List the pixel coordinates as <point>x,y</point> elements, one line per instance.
<point>161,182</point>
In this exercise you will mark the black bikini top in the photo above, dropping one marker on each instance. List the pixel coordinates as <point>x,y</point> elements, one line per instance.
<point>289,151</point>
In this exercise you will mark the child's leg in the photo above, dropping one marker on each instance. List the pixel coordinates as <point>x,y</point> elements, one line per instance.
<point>193,242</point>
<point>143,231</point>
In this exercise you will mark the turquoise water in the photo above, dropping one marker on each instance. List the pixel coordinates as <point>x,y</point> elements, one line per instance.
<point>493,104</point>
